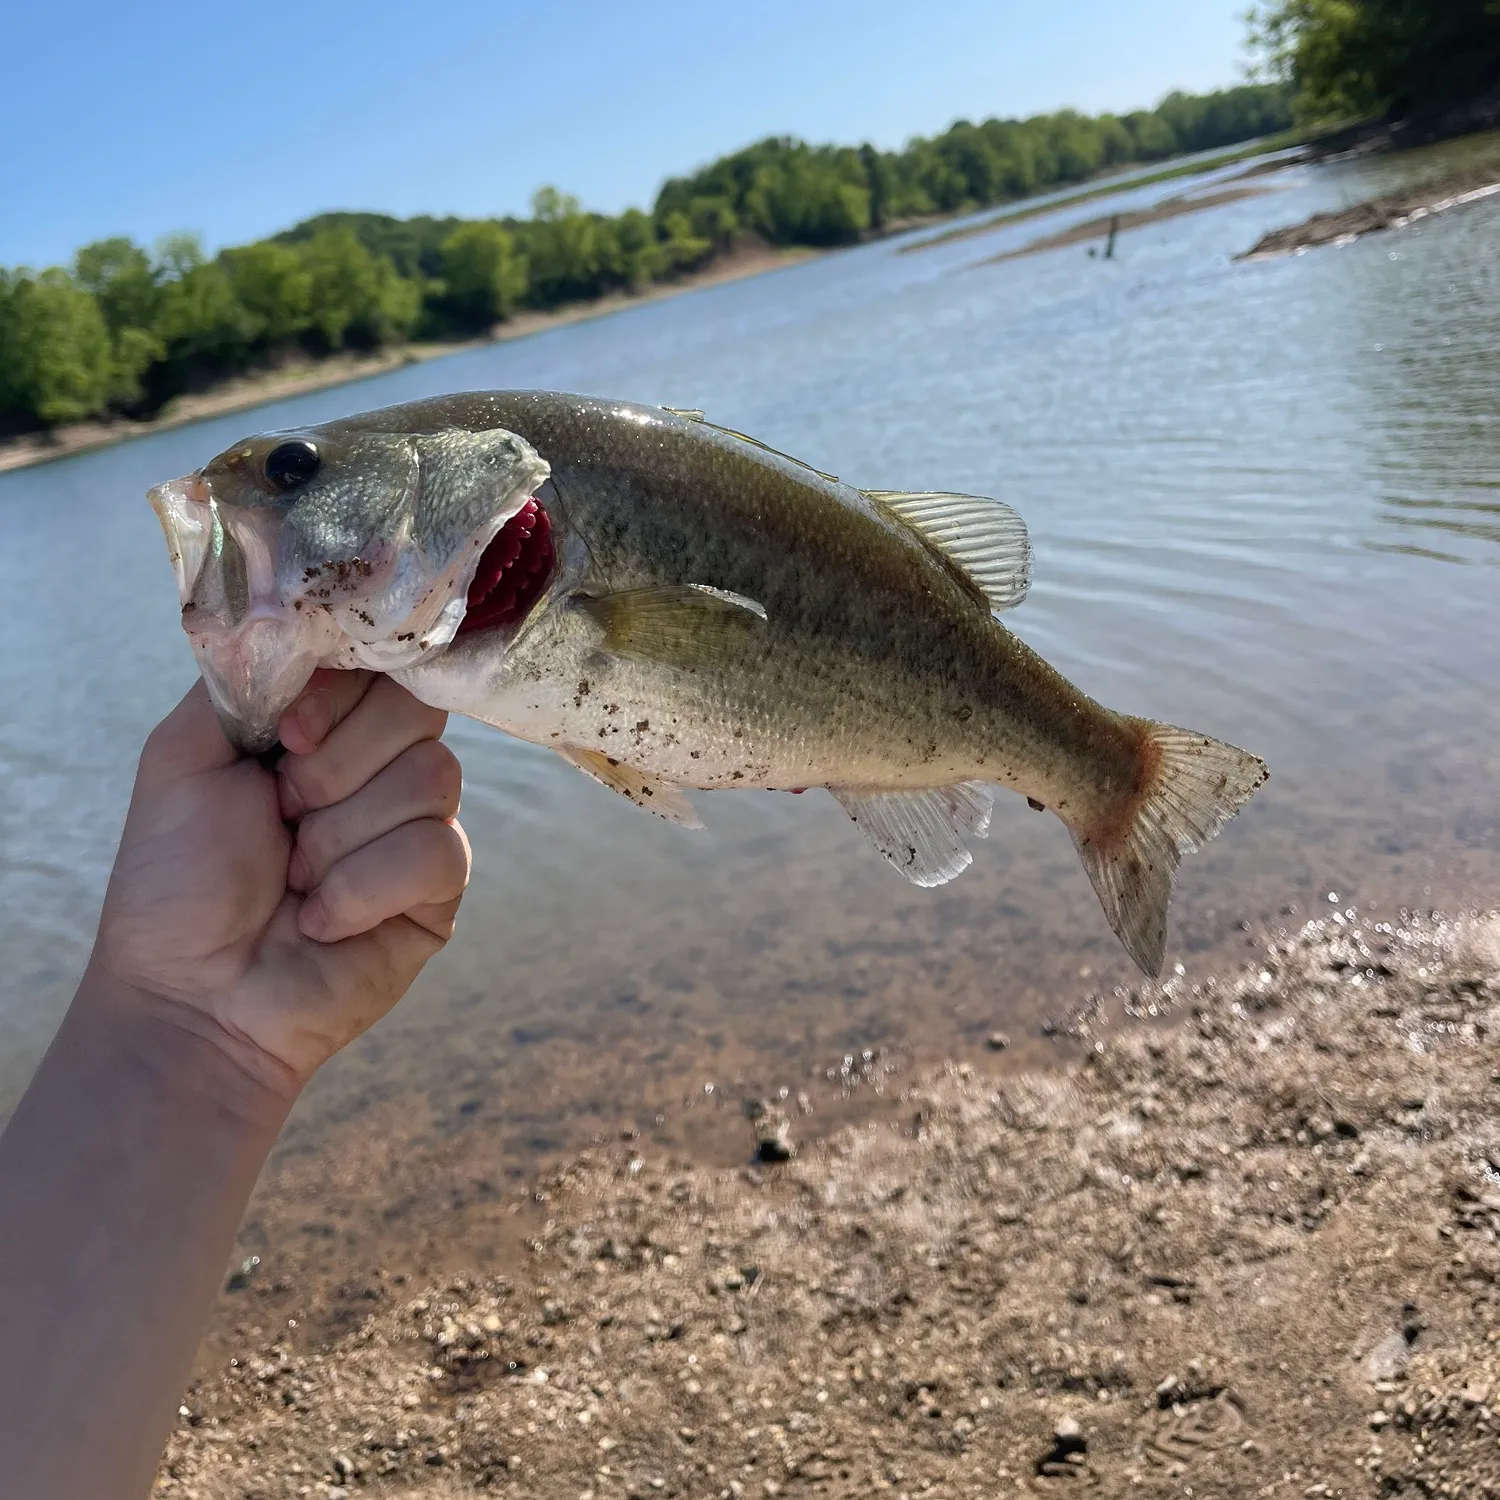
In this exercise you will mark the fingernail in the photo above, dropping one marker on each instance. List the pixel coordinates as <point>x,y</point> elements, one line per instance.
<point>315,716</point>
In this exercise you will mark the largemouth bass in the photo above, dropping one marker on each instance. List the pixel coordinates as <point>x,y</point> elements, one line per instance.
<point>671,605</point>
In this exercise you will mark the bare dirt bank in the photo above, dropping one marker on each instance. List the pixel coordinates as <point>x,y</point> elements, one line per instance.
<point>305,375</point>
<point>1392,211</point>
<point>1254,1254</point>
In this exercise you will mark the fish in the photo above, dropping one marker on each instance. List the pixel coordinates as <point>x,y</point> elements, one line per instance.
<point>672,606</point>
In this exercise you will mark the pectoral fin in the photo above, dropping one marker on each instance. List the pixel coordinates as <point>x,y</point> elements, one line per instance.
<point>922,831</point>
<point>645,790</point>
<point>680,625</point>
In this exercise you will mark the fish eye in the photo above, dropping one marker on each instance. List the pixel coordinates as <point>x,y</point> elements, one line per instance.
<point>291,464</point>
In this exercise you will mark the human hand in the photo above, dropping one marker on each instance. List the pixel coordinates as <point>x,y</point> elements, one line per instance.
<point>282,913</point>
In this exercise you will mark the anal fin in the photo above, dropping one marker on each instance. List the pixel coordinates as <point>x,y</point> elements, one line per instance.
<point>642,788</point>
<point>922,830</point>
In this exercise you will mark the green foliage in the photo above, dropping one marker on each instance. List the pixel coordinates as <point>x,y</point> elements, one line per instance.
<point>121,279</point>
<point>126,329</point>
<point>484,275</point>
<point>59,363</point>
<point>794,194</point>
<point>359,300</point>
<point>1356,58</point>
<point>274,286</point>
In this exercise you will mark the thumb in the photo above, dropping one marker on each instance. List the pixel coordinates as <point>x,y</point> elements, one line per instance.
<point>188,741</point>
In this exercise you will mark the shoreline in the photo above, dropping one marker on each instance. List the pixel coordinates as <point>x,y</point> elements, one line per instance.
<point>305,374</point>
<point>1285,154</point>
<point>1253,1252</point>
<point>1376,215</point>
<point>1140,218</point>
<point>243,393</point>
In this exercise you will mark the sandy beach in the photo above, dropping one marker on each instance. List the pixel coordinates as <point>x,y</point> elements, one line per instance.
<point>1249,1252</point>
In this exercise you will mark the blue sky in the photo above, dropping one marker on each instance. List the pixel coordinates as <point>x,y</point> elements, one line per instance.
<point>235,119</point>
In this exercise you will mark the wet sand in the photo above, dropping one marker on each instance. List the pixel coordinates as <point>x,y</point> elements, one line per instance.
<point>304,374</point>
<point>1253,1253</point>
<point>1391,211</point>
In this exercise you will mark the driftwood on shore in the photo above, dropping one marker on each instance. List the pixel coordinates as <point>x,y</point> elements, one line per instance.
<point>1391,211</point>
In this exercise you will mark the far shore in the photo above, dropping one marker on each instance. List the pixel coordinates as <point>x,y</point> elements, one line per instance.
<point>303,375</point>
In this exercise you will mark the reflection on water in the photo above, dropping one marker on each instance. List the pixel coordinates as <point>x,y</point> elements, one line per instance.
<point>1247,485</point>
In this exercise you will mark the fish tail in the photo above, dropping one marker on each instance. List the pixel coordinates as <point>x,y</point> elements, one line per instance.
<point>1189,786</point>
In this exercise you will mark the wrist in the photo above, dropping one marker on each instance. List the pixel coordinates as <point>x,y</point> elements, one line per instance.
<point>185,1055</point>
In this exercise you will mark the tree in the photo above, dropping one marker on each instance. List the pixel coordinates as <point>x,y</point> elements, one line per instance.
<point>355,298</point>
<point>642,259</point>
<point>1350,58</point>
<point>14,411</point>
<point>61,362</point>
<point>273,285</point>
<point>568,251</point>
<point>484,274</point>
<point>204,325</point>
<point>121,279</point>
<point>681,248</point>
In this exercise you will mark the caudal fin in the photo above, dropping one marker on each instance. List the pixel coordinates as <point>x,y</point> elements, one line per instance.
<point>1193,786</point>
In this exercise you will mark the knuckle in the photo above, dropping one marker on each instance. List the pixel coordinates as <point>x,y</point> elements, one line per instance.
<point>318,840</point>
<point>301,775</point>
<point>339,897</point>
<point>448,861</point>
<point>437,773</point>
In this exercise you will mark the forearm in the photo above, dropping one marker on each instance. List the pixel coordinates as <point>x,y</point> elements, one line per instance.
<point>123,1177</point>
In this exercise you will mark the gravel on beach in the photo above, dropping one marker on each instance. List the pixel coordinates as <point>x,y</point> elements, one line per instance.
<point>1254,1252</point>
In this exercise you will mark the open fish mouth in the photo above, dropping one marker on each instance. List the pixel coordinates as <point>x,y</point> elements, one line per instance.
<point>514,571</point>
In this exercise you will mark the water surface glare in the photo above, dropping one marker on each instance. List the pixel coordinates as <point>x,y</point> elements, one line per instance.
<point>1265,502</point>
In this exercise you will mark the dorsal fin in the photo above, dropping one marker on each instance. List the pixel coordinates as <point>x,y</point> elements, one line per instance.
<point>985,539</point>
<point>691,414</point>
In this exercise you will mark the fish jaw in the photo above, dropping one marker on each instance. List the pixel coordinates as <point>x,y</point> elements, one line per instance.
<point>254,654</point>
<point>271,591</point>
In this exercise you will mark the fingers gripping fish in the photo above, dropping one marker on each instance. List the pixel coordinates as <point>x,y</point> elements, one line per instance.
<point>670,605</point>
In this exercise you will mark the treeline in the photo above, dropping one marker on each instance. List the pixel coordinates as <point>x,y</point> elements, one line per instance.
<point>122,331</point>
<point>1355,59</point>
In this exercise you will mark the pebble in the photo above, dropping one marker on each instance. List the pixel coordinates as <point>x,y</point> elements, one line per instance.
<point>773,1140</point>
<point>1388,1359</point>
<point>242,1278</point>
<point>997,1041</point>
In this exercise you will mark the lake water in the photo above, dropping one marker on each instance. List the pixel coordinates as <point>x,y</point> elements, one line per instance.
<point>1265,502</point>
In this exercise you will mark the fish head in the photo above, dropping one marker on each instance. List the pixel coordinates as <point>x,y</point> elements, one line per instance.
<point>332,546</point>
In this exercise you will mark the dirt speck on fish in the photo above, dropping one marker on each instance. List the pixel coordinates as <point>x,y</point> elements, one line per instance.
<point>670,605</point>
